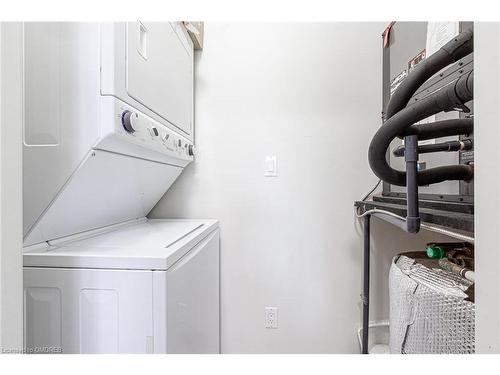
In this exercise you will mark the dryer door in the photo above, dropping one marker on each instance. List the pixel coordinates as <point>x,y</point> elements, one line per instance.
<point>159,71</point>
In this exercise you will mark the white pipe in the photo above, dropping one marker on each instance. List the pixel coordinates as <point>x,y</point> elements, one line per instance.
<point>377,213</point>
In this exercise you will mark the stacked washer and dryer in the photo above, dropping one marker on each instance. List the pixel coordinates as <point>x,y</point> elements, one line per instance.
<point>108,128</point>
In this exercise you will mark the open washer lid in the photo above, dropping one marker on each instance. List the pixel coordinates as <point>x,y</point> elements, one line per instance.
<point>148,245</point>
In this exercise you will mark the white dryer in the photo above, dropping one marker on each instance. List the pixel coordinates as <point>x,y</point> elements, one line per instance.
<point>103,102</point>
<point>107,130</point>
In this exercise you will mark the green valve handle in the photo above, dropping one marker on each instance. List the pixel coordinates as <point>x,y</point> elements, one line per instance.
<point>435,252</point>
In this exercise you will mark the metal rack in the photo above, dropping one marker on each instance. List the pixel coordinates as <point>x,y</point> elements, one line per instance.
<point>451,219</point>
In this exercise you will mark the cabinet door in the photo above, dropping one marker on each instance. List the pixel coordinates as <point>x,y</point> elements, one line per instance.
<point>160,71</point>
<point>193,300</point>
<point>88,311</point>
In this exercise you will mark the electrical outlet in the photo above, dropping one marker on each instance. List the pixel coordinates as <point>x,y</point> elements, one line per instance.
<point>271,317</point>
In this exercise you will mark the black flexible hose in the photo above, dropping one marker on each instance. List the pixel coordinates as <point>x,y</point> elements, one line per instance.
<point>400,120</point>
<point>454,50</point>
<point>445,99</point>
<point>438,129</point>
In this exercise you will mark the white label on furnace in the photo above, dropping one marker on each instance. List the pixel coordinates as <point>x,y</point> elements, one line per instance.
<point>438,34</point>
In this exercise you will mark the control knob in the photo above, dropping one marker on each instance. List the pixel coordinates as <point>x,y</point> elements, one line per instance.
<point>190,150</point>
<point>127,118</point>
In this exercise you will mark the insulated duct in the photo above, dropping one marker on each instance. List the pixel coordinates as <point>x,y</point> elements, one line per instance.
<point>432,311</point>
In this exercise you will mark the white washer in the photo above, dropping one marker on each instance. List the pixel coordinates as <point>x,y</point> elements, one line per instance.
<point>148,286</point>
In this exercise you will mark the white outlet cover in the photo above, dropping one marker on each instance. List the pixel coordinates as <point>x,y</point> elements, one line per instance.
<point>271,317</point>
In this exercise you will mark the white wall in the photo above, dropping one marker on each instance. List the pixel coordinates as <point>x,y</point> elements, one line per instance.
<point>11,308</point>
<point>310,94</point>
<point>487,185</point>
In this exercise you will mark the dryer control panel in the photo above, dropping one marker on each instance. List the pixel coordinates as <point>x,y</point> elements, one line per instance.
<point>147,132</point>
<point>131,128</point>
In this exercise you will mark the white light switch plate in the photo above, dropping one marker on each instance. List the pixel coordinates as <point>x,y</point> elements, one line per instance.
<point>271,169</point>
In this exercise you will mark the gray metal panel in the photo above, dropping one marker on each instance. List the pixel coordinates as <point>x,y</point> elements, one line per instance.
<point>407,40</point>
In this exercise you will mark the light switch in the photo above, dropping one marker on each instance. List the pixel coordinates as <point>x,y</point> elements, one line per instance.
<point>270,167</point>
